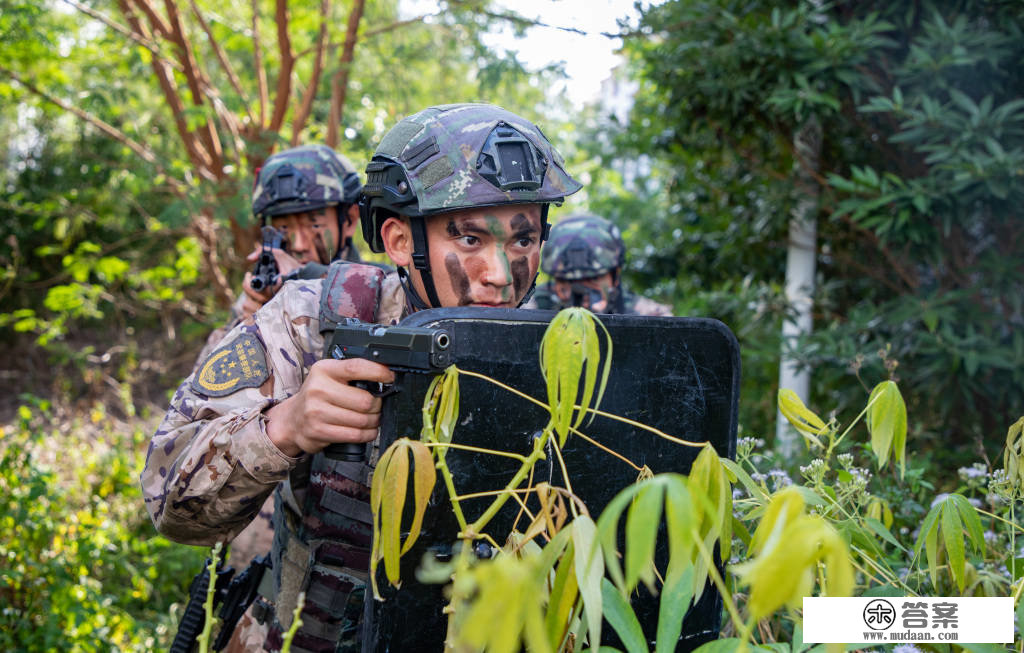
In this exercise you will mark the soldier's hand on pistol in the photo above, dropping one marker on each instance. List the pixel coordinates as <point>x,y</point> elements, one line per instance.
<point>326,409</point>
<point>255,298</point>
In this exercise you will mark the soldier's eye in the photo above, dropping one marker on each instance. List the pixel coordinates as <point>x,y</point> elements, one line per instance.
<point>469,241</point>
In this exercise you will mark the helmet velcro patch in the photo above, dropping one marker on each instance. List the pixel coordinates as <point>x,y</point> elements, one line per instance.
<point>395,140</point>
<point>435,171</point>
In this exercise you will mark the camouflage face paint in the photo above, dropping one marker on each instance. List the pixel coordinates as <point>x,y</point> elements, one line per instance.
<point>459,279</point>
<point>521,276</point>
<point>452,230</point>
<point>324,253</point>
<point>521,223</point>
<point>330,240</point>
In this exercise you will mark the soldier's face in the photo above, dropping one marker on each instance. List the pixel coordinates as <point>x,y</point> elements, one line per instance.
<point>593,294</point>
<point>484,257</point>
<point>312,236</point>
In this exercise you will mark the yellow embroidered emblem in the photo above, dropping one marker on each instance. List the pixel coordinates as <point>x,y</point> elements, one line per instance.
<point>242,363</point>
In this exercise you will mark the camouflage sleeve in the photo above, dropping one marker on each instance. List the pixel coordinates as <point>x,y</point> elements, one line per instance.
<point>211,464</point>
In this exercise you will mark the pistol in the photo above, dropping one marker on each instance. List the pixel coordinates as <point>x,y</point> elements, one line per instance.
<point>265,274</point>
<point>419,350</point>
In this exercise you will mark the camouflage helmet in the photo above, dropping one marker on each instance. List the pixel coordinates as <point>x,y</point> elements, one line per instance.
<point>583,246</point>
<point>304,179</point>
<point>459,156</point>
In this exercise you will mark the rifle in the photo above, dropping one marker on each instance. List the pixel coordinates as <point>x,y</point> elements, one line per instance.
<point>265,274</point>
<point>420,350</point>
<point>239,596</point>
<point>194,617</point>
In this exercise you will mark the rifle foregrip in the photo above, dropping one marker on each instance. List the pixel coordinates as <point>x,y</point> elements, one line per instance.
<point>192,621</point>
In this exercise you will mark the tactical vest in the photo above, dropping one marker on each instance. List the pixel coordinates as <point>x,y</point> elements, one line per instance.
<point>322,518</point>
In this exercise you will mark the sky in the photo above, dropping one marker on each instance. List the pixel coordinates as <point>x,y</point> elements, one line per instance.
<point>588,58</point>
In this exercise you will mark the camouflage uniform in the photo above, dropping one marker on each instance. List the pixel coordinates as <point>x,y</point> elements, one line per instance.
<point>296,180</point>
<point>211,464</point>
<point>584,247</point>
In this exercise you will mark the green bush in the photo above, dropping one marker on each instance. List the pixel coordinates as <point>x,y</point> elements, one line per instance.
<point>83,569</point>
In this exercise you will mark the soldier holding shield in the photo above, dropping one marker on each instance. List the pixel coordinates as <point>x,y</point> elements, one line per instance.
<point>458,197</point>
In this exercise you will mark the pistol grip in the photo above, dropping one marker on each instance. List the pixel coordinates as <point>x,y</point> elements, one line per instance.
<point>353,451</point>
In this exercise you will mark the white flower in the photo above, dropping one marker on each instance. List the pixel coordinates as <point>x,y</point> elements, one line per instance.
<point>977,470</point>
<point>939,498</point>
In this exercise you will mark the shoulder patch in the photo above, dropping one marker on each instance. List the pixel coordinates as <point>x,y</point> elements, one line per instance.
<point>241,363</point>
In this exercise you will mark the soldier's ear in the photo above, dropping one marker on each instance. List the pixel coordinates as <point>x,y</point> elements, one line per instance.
<point>351,221</point>
<point>396,235</point>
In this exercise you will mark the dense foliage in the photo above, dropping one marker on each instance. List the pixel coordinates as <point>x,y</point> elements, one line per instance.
<point>113,222</point>
<point>83,569</point>
<point>922,115</point>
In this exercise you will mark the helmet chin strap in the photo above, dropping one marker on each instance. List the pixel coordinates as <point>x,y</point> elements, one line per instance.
<point>421,261</point>
<point>413,301</point>
<point>545,231</point>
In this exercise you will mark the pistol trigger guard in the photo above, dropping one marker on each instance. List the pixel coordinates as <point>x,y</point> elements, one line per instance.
<point>387,389</point>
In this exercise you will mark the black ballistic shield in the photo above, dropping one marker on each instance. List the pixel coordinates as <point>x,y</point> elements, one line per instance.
<point>680,375</point>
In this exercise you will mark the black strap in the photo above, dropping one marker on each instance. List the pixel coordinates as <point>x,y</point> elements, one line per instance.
<point>421,258</point>
<point>413,301</point>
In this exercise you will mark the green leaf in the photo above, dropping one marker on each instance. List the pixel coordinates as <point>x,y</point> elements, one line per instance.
<point>441,409</point>
<point>727,645</point>
<point>641,535</point>
<point>622,618</point>
<point>884,590</point>
<point>1016,567</point>
<point>562,599</point>
<point>393,488</point>
<point>881,531</point>
<point>676,596</point>
<point>424,478</point>
<point>1013,453</point>
<point>887,423</point>
<point>570,352</point>
<point>589,573</point>
<point>971,521</point>
<point>927,537</point>
<point>953,538</point>
<point>1018,617</point>
<point>802,419</point>
<point>111,268</point>
<point>752,488</point>
<point>607,531</point>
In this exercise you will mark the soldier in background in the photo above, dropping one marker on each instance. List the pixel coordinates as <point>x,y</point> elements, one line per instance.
<point>458,197</point>
<point>584,258</point>
<point>310,194</point>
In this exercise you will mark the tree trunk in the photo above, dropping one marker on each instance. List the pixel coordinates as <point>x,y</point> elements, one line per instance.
<point>339,81</point>
<point>800,269</point>
<point>205,228</point>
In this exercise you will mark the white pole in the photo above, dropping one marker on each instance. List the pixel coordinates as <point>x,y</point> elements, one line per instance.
<point>801,259</point>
